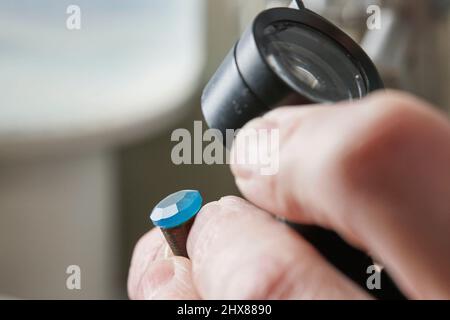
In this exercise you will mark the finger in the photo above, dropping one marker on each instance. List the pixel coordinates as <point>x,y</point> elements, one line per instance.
<point>376,172</point>
<point>167,279</point>
<point>156,274</point>
<point>241,252</point>
<point>150,248</point>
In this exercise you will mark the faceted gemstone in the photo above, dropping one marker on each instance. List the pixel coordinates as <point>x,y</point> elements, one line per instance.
<point>176,209</point>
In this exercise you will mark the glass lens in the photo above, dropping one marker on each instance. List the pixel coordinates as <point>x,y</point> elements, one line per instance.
<point>311,62</point>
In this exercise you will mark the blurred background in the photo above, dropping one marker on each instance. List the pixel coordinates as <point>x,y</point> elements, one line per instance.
<point>86,117</point>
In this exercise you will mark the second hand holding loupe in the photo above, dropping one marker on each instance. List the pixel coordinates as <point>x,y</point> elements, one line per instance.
<point>295,57</point>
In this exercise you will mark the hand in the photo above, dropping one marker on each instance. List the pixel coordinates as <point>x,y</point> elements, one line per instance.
<point>376,171</point>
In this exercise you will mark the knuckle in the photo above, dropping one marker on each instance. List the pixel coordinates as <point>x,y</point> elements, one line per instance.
<point>391,134</point>
<point>147,250</point>
<point>210,223</point>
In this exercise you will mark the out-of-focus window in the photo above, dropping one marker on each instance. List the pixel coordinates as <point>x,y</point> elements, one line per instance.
<point>129,60</point>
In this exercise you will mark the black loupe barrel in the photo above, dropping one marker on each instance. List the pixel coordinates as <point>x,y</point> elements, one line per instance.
<point>286,57</point>
<point>294,57</point>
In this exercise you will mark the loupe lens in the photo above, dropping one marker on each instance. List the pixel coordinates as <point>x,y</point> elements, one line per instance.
<point>312,63</point>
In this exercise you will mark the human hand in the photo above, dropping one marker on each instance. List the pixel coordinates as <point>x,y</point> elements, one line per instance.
<point>377,172</point>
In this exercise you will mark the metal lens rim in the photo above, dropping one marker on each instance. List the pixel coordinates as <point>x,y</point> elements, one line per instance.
<point>312,20</point>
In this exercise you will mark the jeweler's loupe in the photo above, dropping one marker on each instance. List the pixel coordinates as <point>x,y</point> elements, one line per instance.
<point>286,57</point>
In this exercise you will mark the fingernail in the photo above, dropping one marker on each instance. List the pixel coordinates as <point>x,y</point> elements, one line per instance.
<point>254,148</point>
<point>167,252</point>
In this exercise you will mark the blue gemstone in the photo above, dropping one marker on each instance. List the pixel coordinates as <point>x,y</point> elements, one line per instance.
<point>176,209</point>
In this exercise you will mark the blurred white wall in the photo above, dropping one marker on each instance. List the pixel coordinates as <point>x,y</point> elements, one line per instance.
<point>69,99</point>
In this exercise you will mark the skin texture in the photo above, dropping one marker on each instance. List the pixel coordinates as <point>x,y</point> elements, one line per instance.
<point>376,171</point>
